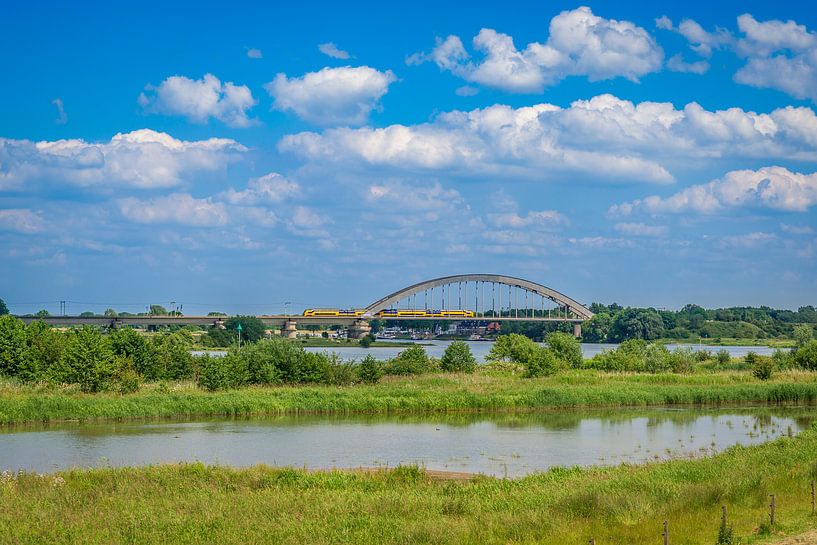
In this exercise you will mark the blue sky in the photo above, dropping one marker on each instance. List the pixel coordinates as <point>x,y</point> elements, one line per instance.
<point>233,158</point>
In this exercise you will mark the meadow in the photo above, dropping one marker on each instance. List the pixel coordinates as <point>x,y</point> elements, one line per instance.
<point>193,503</point>
<point>483,390</point>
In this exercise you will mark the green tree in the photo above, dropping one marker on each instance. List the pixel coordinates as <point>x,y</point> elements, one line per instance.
<point>458,358</point>
<point>13,346</point>
<point>514,347</point>
<point>3,308</point>
<point>171,357</point>
<point>42,313</point>
<point>566,347</point>
<point>88,360</point>
<point>636,323</point>
<point>543,362</point>
<point>411,361</point>
<point>87,314</point>
<point>264,357</point>
<point>370,370</point>
<point>806,356</point>
<point>212,373</point>
<point>126,342</point>
<point>366,340</point>
<point>596,329</point>
<point>157,310</point>
<point>111,313</point>
<point>802,334</point>
<point>45,347</point>
<point>252,330</point>
<point>762,366</point>
<point>216,314</point>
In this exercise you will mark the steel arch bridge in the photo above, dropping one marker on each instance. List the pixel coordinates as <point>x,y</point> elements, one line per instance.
<point>487,295</point>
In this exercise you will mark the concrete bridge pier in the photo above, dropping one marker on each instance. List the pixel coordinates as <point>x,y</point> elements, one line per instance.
<point>290,329</point>
<point>359,329</point>
<point>577,330</point>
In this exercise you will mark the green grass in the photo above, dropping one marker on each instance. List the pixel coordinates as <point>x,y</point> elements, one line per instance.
<point>625,504</point>
<point>481,391</point>
<point>729,341</point>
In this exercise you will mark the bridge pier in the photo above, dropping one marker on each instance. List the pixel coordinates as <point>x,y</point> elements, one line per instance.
<point>290,329</point>
<point>577,330</point>
<point>359,329</point>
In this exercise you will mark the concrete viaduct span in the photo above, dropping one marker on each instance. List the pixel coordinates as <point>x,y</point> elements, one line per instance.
<point>490,297</point>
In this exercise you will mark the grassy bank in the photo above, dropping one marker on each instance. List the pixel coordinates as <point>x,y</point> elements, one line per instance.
<point>771,343</point>
<point>483,390</point>
<point>624,504</point>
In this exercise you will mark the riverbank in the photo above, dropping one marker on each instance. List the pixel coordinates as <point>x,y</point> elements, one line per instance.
<point>482,391</point>
<point>723,341</point>
<point>623,504</point>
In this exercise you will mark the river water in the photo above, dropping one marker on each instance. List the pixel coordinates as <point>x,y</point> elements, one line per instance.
<point>480,349</point>
<point>504,444</point>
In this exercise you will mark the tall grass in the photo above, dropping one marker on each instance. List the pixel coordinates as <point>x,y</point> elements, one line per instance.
<point>625,504</point>
<point>428,393</point>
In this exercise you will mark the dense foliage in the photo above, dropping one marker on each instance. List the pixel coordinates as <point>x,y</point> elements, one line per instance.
<point>613,323</point>
<point>458,358</point>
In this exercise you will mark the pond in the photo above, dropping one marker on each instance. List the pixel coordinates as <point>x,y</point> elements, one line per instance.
<point>500,444</point>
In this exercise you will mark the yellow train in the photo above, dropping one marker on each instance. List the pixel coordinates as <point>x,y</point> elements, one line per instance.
<point>333,312</point>
<point>422,313</point>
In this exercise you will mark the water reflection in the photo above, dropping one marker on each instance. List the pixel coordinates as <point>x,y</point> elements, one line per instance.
<point>511,444</point>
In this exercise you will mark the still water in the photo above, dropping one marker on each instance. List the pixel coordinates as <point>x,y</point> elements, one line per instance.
<point>480,349</point>
<point>507,444</point>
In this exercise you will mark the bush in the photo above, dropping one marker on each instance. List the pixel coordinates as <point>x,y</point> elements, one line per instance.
<point>45,347</point>
<point>171,359</point>
<point>129,380</point>
<point>366,340</point>
<point>262,360</point>
<point>657,359</point>
<point>127,342</point>
<point>370,370</point>
<point>566,347</point>
<point>13,352</point>
<point>212,375</point>
<point>762,368</point>
<point>88,360</point>
<point>782,359</point>
<point>682,360</point>
<point>458,358</point>
<point>543,362</point>
<point>411,361</point>
<point>723,357</point>
<point>805,357</point>
<point>514,348</point>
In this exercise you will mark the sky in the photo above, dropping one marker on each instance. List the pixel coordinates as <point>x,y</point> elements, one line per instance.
<point>237,157</point>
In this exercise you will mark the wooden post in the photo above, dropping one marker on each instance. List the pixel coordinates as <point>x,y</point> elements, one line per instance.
<point>812,496</point>
<point>723,515</point>
<point>666,532</point>
<point>771,512</point>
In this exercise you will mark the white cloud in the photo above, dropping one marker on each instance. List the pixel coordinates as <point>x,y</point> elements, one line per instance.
<point>640,229</point>
<point>579,43</point>
<point>770,187</point>
<point>780,55</point>
<point>62,117</point>
<point>179,208</point>
<point>750,240</point>
<point>270,188</point>
<point>467,91</point>
<point>199,100</point>
<point>254,53</point>
<point>142,158</point>
<point>700,40</point>
<point>332,96</point>
<point>331,50</point>
<point>676,63</point>
<point>21,220</point>
<point>606,137</point>
<point>542,218</point>
<point>796,229</point>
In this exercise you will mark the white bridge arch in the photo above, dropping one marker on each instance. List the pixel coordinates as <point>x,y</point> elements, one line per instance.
<point>479,296</point>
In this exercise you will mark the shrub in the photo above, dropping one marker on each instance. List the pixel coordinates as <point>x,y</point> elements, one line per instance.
<point>129,380</point>
<point>127,342</point>
<point>340,373</point>
<point>805,357</point>
<point>262,360</point>
<point>88,360</point>
<point>171,358</point>
<point>212,375</point>
<point>657,359</point>
<point>682,360</point>
<point>543,362</point>
<point>13,352</point>
<point>782,359</point>
<point>366,340</point>
<point>411,361</point>
<point>762,368</point>
<point>45,347</point>
<point>314,368</point>
<point>458,358</point>
<point>370,370</point>
<point>723,357</point>
<point>236,371</point>
<point>514,347</point>
<point>702,355</point>
<point>566,347</point>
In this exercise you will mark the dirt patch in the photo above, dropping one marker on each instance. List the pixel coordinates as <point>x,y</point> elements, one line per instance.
<point>809,538</point>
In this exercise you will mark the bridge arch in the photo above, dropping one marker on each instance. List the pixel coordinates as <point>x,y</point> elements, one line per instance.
<point>577,309</point>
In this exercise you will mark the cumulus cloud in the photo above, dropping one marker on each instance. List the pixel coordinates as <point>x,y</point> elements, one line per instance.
<point>254,53</point>
<point>467,91</point>
<point>757,239</point>
<point>179,208</point>
<point>542,218</point>
<point>142,158</point>
<point>331,50</point>
<point>676,63</point>
<point>700,40</point>
<point>780,55</point>
<point>21,220</point>
<point>332,96</point>
<point>579,44</point>
<point>606,137</point>
<point>270,188</point>
<point>640,229</point>
<point>796,229</point>
<point>775,188</point>
<point>200,100</point>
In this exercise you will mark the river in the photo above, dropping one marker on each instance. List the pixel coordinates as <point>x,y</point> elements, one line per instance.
<point>500,444</point>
